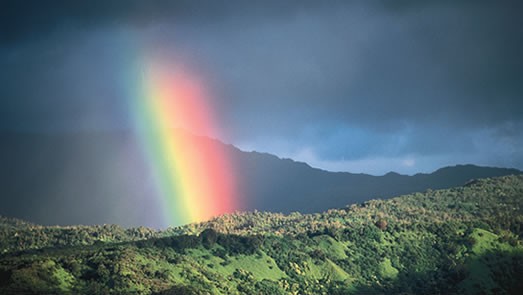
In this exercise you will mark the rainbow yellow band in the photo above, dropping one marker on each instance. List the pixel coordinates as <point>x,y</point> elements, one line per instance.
<point>193,177</point>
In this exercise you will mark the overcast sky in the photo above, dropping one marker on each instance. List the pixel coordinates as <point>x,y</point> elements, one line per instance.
<point>360,86</point>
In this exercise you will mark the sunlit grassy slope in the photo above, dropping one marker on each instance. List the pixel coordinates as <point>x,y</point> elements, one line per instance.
<point>461,240</point>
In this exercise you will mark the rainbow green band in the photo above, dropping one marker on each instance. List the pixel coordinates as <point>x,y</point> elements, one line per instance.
<point>193,177</point>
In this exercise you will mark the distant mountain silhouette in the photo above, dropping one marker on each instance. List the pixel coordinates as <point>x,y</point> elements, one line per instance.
<point>275,184</point>
<point>96,178</point>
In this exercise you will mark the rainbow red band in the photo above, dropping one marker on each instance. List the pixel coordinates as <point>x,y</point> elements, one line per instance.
<point>193,177</point>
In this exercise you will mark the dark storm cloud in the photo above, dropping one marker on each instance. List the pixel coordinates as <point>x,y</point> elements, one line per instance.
<point>28,19</point>
<point>24,20</point>
<point>349,79</point>
<point>436,63</point>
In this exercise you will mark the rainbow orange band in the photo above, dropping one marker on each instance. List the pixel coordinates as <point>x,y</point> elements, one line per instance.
<point>193,177</point>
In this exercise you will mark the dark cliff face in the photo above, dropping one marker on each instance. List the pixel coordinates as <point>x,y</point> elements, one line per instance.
<point>94,178</point>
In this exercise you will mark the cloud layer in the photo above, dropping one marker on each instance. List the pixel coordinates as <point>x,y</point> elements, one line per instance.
<point>337,84</point>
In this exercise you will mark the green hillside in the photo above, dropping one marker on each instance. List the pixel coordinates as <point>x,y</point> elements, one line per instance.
<point>460,240</point>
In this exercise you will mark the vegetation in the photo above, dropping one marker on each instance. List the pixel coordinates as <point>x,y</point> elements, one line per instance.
<point>460,240</point>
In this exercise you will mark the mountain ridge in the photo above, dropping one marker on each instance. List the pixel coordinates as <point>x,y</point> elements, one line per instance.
<point>96,178</point>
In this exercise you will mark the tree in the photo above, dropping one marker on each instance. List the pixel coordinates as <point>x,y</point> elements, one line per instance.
<point>382,224</point>
<point>209,237</point>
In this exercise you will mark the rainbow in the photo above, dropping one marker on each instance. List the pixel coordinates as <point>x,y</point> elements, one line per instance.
<point>192,175</point>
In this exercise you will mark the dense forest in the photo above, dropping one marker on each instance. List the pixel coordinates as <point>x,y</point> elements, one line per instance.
<point>460,240</point>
